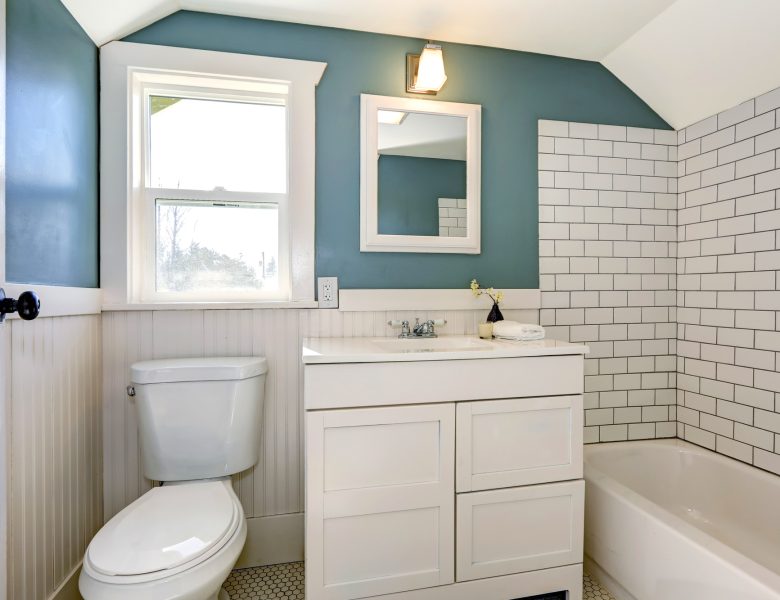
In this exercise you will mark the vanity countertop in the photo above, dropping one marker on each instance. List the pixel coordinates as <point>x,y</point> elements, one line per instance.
<point>449,347</point>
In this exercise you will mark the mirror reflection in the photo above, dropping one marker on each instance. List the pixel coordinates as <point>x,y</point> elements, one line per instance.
<point>421,174</point>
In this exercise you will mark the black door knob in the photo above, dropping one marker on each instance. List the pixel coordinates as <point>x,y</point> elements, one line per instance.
<point>28,305</point>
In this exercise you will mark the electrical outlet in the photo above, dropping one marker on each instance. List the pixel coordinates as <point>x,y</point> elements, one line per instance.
<point>328,292</point>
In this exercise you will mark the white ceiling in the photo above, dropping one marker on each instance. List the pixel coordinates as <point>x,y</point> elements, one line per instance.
<point>686,58</point>
<point>425,136</point>
<point>700,57</point>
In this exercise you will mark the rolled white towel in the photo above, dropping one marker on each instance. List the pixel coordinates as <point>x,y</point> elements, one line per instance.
<point>512,330</point>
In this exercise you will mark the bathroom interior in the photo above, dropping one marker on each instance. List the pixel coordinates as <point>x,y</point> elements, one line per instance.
<point>424,300</point>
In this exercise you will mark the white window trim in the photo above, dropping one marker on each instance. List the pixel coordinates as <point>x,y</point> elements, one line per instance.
<point>118,63</point>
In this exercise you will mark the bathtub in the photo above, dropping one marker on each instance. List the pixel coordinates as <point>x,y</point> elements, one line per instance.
<point>667,520</point>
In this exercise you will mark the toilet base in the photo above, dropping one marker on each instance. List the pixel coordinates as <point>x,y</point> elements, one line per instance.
<point>222,595</point>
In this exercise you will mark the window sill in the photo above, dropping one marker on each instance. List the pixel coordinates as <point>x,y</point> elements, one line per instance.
<point>260,304</point>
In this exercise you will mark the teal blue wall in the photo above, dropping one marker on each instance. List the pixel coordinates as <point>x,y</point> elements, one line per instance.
<point>51,147</point>
<point>409,192</point>
<point>514,88</point>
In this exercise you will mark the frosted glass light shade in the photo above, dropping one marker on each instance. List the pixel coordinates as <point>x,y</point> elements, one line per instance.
<point>390,117</point>
<point>430,72</point>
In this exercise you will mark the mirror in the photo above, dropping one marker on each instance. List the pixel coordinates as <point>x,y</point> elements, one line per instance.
<point>421,186</point>
<point>420,176</point>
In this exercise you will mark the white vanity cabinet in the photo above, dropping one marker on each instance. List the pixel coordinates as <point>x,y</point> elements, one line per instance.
<point>443,474</point>
<point>379,499</point>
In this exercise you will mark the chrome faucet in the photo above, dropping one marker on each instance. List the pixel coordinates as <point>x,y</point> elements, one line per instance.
<point>426,329</point>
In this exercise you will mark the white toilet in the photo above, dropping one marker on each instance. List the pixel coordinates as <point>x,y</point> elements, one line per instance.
<point>199,421</point>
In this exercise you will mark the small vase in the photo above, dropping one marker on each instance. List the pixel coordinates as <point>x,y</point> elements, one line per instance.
<point>495,314</point>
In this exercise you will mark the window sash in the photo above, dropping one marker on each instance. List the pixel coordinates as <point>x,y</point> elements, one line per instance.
<point>148,240</point>
<point>201,93</point>
<point>145,241</point>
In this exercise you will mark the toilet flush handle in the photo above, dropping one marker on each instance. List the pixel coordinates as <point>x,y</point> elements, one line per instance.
<point>130,391</point>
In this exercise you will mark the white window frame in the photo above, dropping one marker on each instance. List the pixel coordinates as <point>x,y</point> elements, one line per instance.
<point>129,73</point>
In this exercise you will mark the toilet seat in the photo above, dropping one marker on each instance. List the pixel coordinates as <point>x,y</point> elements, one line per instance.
<point>166,531</point>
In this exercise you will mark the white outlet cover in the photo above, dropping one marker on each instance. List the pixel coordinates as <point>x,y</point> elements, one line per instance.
<point>328,292</point>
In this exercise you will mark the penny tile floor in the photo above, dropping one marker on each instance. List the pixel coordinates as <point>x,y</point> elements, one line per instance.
<point>285,582</point>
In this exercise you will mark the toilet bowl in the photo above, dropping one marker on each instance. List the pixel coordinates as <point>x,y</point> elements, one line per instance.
<point>199,422</point>
<point>176,541</point>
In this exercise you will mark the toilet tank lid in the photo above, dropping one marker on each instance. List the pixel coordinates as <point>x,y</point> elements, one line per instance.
<point>174,370</point>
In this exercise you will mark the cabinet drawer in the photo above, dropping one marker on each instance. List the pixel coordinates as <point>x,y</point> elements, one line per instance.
<point>507,443</point>
<point>517,530</point>
<point>429,381</point>
<point>379,500</point>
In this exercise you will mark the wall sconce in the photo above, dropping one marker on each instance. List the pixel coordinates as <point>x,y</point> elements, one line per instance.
<point>425,72</point>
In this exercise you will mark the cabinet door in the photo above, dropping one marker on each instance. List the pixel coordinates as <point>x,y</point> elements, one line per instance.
<point>506,443</point>
<point>522,529</point>
<point>380,513</point>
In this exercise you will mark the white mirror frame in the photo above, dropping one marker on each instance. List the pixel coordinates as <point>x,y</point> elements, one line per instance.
<point>370,238</point>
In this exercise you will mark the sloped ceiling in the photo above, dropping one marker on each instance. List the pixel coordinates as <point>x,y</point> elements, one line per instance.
<point>688,59</point>
<point>700,57</point>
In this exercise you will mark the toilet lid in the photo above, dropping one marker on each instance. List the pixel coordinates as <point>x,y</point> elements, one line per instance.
<point>165,528</point>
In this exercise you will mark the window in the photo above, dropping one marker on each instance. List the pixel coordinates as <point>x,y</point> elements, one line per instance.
<point>218,176</point>
<point>193,254</point>
<point>214,203</point>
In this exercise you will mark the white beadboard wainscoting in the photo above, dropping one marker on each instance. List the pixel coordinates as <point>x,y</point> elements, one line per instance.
<point>55,450</point>
<point>274,488</point>
<point>5,434</point>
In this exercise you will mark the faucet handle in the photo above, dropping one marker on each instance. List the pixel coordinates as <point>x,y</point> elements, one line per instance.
<point>404,325</point>
<point>431,324</point>
<point>398,323</point>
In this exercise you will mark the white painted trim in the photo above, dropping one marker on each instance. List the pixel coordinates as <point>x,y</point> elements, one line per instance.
<point>118,62</point>
<point>59,301</point>
<point>69,589</point>
<point>533,583</point>
<point>209,306</point>
<point>370,238</point>
<point>5,338</point>
<point>459,299</point>
<point>272,541</point>
<point>2,148</point>
<point>606,580</point>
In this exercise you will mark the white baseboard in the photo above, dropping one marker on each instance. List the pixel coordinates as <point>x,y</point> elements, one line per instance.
<point>606,581</point>
<point>459,299</point>
<point>69,589</point>
<point>272,540</point>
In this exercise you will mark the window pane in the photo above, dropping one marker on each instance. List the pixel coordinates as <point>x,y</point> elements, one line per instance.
<point>216,145</point>
<point>219,247</point>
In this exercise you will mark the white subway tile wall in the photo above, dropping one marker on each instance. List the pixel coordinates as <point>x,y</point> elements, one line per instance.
<point>728,294</point>
<point>608,249</point>
<point>661,250</point>
<point>452,217</point>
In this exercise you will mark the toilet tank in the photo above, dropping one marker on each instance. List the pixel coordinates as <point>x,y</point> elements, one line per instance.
<point>199,417</point>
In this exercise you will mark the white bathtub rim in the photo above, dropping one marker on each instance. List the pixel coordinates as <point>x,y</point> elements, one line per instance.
<point>688,448</point>
<point>678,527</point>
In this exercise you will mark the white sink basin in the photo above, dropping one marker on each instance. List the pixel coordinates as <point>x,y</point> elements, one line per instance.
<point>440,344</point>
<point>446,347</point>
